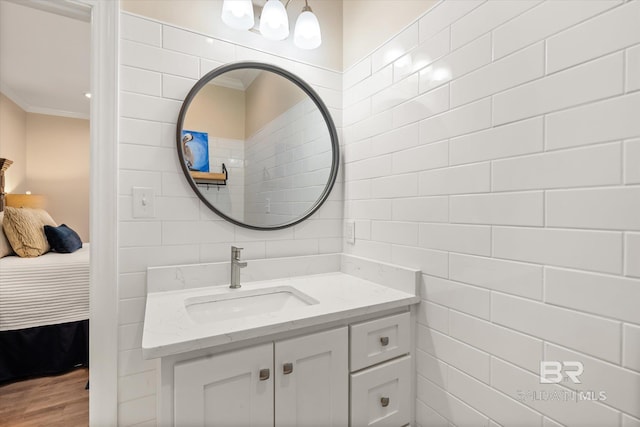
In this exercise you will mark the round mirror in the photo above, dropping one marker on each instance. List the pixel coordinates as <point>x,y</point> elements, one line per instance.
<point>257,145</point>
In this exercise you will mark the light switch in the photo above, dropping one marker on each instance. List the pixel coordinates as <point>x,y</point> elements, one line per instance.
<point>350,232</point>
<point>143,202</point>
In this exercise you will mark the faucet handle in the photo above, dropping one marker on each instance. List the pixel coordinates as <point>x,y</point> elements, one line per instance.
<point>235,252</point>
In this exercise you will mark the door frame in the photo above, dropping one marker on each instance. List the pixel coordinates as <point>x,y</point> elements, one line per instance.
<point>103,205</point>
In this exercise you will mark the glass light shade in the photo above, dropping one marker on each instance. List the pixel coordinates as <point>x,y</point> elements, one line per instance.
<point>274,22</point>
<point>238,14</point>
<point>307,32</point>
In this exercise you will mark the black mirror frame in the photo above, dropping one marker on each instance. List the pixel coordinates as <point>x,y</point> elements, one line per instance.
<point>335,146</point>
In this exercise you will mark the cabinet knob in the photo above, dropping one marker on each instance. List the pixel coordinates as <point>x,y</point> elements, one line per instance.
<point>384,341</point>
<point>384,401</point>
<point>287,368</point>
<point>264,374</point>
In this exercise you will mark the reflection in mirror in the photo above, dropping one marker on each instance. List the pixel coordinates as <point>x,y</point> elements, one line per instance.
<point>269,137</point>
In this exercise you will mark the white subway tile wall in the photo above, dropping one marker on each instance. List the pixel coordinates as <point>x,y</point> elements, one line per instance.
<point>506,377</point>
<point>510,177</point>
<point>159,64</point>
<point>288,162</point>
<point>632,255</point>
<point>492,144</point>
<point>453,408</point>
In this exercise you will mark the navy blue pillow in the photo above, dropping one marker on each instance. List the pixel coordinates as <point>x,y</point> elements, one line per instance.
<point>62,239</point>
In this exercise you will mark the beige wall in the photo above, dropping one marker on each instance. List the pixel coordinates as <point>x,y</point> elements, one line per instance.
<point>13,135</point>
<point>369,23</point>
<point>203,16</point>
<point>267,97</point>
<point>223,112</point>
<point>219,111</point>
<point>58,167</point>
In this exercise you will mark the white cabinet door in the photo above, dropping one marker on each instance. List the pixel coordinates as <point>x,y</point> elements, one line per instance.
<point>311,380</point>
<point>225,390</point>
<point>381,395</point>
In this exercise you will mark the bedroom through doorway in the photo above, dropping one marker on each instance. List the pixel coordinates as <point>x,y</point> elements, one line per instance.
<point>45,142</point>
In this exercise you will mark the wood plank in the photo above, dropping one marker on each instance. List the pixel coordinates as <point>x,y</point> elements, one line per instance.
<point>49,401</point>
<point>208,176</point>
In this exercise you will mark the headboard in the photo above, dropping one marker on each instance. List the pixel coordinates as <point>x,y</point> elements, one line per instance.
<point>4,165</point>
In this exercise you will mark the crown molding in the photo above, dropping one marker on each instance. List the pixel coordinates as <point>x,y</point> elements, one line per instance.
<point>13,96</point>
<point>28,108</point>
<point>59,113</point>
<point>73,10</point>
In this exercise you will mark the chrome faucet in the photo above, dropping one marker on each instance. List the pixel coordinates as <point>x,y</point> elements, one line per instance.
<point>236,265</point>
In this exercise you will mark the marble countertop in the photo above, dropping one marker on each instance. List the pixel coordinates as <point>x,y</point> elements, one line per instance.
<point>169,329</point>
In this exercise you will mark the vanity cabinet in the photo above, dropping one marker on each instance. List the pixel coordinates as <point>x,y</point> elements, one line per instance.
<point>354,375</point>
<point>301,381</point>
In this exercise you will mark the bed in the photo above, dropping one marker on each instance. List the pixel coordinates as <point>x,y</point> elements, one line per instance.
<point>44,312</point>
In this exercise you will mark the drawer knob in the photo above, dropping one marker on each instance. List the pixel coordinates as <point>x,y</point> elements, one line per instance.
<point>287,368</point>
<point>384,401</point>
<point>264,374</point>
<point>384,341</point>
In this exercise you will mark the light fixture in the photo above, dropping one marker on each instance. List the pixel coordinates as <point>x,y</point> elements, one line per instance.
<point>274,22</point>
<point>87,95</point>
<point>307,32</point>
<point>238,14</point>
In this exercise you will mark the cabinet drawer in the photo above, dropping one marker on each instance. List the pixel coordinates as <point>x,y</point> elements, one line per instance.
<point>380,396</point>
<point>379,340</point>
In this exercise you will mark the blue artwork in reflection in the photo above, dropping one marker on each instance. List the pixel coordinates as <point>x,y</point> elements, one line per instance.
<point>195,148</point>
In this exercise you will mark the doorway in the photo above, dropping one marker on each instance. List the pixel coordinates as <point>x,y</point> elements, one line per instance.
<point>45,85</point>
<point>103,21</point>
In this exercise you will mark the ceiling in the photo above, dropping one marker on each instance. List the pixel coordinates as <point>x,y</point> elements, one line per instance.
<point>44,58</point>
<point>237,79</point>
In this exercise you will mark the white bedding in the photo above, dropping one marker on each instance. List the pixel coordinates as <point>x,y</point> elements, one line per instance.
<point>47,290</point>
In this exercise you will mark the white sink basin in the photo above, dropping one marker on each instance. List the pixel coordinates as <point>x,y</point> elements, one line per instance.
<point>236,304</point>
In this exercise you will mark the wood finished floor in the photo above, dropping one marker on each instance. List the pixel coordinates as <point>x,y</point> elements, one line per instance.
<point>59,401</point>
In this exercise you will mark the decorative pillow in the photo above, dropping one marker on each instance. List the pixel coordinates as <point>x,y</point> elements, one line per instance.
<point>62,239</point>
<point>5,246</point>
<point>24,229</point>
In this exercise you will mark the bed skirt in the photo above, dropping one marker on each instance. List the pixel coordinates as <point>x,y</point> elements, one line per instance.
<point>43,350</point>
